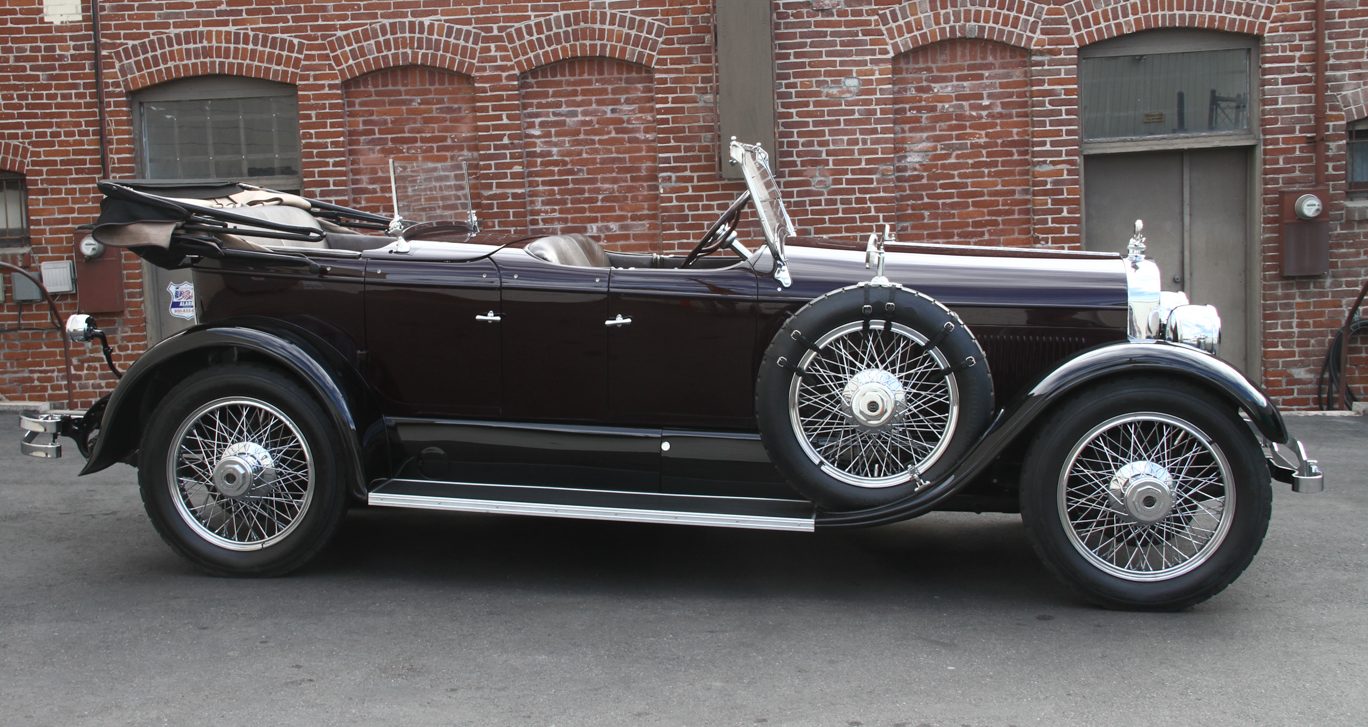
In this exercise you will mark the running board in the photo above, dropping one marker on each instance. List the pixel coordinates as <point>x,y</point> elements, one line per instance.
<point>639,507</point>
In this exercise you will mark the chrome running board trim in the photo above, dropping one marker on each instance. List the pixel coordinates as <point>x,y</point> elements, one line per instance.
<point>665,515</point>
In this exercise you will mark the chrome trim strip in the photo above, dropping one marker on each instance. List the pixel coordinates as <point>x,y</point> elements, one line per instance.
<point>586,512</point>
<point>591,490</point>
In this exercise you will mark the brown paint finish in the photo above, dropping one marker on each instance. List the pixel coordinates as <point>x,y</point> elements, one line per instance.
<point>328,304</point>
<point>555,359</point>
<point>688,358</point>
<point>428,354</point>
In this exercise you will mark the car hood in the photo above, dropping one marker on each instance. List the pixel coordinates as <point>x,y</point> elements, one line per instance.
<point>962,275</point>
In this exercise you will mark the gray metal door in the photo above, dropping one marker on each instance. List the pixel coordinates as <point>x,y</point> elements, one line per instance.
<point>1195,204</point>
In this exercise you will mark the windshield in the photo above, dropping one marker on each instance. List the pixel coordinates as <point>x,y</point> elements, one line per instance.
<point>431,191</point>
<point>764,189</point>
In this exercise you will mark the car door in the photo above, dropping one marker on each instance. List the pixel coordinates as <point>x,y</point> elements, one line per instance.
<point>432,349</point>
<point>554,338</point>
<point>686,359</point>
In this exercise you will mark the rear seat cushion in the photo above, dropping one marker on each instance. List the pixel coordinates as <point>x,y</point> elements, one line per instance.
<point>575,249</point>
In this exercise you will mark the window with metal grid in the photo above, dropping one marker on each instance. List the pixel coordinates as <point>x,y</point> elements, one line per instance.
<point>14,231</point>
<point>1357,157</point>
<point>224,128</point>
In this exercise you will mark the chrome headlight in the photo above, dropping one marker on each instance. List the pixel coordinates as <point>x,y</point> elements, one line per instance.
<point>1195,325</point>
<point>80,328</point>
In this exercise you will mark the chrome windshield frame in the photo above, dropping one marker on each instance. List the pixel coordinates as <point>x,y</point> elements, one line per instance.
<point>768,202</point>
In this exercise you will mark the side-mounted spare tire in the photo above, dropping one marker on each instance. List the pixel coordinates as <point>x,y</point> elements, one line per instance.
<point>869,392</point>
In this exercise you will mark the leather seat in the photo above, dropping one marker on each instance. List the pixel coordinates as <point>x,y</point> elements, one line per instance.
<point>575,249</point>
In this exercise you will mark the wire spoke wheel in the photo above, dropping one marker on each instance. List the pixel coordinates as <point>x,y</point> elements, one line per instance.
<point>240,473</point>
<point>1146,497</point>
<point>874,408</point>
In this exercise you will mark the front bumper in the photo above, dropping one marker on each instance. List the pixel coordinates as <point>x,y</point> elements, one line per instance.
<point>1288,463</point>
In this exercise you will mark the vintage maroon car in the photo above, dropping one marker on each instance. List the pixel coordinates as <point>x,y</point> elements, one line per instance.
<point>779,382</point>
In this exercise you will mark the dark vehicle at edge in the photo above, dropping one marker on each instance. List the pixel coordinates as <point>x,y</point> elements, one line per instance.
<point>340,356</point>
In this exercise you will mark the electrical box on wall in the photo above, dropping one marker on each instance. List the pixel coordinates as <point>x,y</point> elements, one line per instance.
<point>1305,233</point>
<point>59,276</point>
<point>99,276</point>
<point>24,289</point>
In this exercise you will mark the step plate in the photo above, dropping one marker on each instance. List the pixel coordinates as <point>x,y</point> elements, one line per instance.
<point>724,512</point>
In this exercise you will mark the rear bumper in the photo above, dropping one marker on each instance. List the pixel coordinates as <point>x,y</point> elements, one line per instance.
<point>41,432</point>
<point>1288,463</point>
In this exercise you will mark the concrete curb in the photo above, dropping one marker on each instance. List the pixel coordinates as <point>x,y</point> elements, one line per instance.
<point>19,407</point>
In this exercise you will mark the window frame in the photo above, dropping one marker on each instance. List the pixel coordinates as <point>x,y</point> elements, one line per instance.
<point>210,88</point>
<point>22,241</point>
<point>1167,41</point>
<point>1355,190</point>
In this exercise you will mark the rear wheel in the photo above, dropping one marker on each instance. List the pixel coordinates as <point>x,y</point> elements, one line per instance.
<point>240,472</point>
<point>1146,494</point>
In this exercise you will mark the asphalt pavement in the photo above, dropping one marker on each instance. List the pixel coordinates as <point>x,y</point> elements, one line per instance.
<point>433,618</point>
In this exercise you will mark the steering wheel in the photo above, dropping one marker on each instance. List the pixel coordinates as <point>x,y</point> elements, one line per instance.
<point>720,230</point>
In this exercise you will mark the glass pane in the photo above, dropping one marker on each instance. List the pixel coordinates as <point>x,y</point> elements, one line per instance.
<point>12,222</point>
<point>225,128</point>
<point>1358,155</point>
<point>235,139</point>
<point>1169,93</point>
<point>159,141</point>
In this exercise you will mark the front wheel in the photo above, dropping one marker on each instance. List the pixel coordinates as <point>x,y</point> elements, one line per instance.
<point>240,472</point>
<point>1146,494</point>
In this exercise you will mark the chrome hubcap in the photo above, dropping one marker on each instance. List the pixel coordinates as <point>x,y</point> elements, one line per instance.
<point>241,474</point>
<point>1146,497</point>
<point>873,408</point>
<point>873,398</point>
<point>1145,490</point>
<point>246,466</point>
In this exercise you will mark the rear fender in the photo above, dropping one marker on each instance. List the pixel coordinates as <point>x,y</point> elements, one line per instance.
<point>1094,365</point>
<point>321,369</point>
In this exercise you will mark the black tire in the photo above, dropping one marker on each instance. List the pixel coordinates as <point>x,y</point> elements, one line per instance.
<point>1118,543</point>
<point>280,519</point>
<point>934,364</point>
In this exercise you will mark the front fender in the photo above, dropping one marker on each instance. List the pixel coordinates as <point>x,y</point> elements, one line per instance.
<point>1117,359</point>
<point>1140,357</point>
<point>336,386</point>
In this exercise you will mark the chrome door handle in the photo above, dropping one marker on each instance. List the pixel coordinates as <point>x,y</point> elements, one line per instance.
<point>489,317</point>
<point>619,321</point>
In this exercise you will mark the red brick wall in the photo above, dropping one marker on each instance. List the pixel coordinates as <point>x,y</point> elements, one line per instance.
<point>963,131</point>
<point>408,114</point>
<point>589,136</point>
<point>839,67</point>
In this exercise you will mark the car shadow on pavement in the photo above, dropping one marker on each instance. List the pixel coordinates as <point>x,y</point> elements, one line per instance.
<point>938,559</point>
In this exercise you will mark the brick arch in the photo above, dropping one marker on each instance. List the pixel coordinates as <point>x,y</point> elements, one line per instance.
<point>429,43</point>
<point>1097,20</point>
<point>1355,104</point>
<point>922,22</point>
<point>584,34</point>
<point>14,157</point>
<point>183,54</point>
